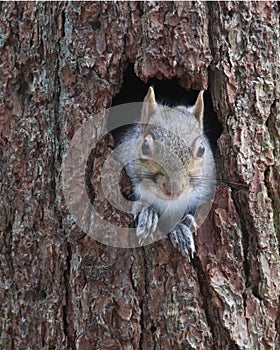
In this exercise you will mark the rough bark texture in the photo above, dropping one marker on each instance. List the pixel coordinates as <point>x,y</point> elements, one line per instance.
<point>63,62</point>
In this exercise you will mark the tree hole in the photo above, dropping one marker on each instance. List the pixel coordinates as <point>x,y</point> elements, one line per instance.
<point>167,92</point>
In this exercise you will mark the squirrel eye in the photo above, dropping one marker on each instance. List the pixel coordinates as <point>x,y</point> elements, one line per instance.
<point>200,151</point>
<point>145,148</point>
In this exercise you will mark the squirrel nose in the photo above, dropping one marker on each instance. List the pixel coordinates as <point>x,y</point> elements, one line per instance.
<point>172,189</point>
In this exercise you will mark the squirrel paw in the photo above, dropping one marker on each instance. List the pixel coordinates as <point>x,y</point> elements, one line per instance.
<point>147,223</point>
<point>190,222</point>
<point>182,238</point>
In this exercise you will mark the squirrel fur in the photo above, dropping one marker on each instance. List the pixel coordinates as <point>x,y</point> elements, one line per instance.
<point>171,167</point>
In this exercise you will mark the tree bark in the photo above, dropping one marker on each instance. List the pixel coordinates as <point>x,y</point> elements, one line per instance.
<point>62,63</point>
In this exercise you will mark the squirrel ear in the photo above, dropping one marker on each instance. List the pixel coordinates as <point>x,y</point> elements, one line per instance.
<point>149,106</point>
<point>198,108</point>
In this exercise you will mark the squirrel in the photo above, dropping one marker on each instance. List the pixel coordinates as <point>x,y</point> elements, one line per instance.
<point>171,167</point>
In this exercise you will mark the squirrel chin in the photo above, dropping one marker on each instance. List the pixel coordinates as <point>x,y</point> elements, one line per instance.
<point>169,197</point>
<point>159,193</point>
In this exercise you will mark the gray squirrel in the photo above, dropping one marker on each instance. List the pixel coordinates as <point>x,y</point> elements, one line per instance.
<point>171,168</point>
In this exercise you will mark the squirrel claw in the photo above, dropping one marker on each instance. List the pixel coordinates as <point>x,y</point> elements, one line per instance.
<point>182,238</point>
<point>147,223</point>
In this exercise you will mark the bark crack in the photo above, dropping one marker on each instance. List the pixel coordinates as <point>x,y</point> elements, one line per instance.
<point>67,309</point>
<point>68,324</point>
<point>142,302</point>
<point>272,192</point>
<point>221,336</point>
<point>141,293</point>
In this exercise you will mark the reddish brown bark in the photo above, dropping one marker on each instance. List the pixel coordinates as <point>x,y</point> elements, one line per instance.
<point>64,62</point>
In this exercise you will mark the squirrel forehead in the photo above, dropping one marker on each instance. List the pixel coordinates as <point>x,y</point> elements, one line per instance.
<point>178,121</point>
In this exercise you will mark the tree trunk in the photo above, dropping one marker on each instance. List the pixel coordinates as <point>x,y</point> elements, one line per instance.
<point>62,63</point>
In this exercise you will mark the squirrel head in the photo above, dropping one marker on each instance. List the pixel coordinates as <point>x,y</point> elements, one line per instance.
<point>172,148</point>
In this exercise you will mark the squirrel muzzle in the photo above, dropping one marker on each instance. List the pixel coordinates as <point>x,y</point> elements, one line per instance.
<point>171,189</point>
